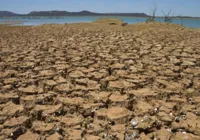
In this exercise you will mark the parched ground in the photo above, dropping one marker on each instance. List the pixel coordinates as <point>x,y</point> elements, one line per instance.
<point>96,81</point>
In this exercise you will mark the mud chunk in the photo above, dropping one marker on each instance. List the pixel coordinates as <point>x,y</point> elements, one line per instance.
<point>187,63</point>
<point>167,118</point>
<point>10,73</point>
<point>60,79</point>
<point>88,70</point>
<point>10,81</point>
<point>61,67</point>
<point>71,105</point>
<point>16,121</point>
<point>144,137</point>
<point>118,114</point>
<point>120,84</point>
<point>55,136</point>
<point>4,98</point>
<point>48,84</point>
<point>47,73</point>
<point>197,99</point>
<point>71,121</point>
<point>101,96</point>
<point>118,99</point>
<point>120,73</point>
<point>74,134</point>
<point>29,90</point>
<point>2,119</point>
<point>117,66</point>
<point>97,127</point>
<point>46,97</point>
<point>166,107</point>
<point>64,88</point>
<point>188,108</point>
<point>92,137</point>
<point>71,101</point>
<point>191,123</point>
<point>12,133</point>
<point>144,92</point>
<point>42,127</point>
<point>11,109</point>
<point>1,127</point>
<point>53,109</point>
<point>82,81</point>
<point>46,110</point>
<point>142,108</point>
<point>7,87</point>
<point>98,75</point>
<point>118,128</point>
<point>169,85</point>
<point>28,99</point>
<point>101,114</point>
<point>93,85</point>
<point>29,136</point>
<point>77,74</point>
<point>90,108</point>
<point>80,88</point>
<point>163,134</point>
<point>144,123</point>
<point>177,99</point>
<point>185,136</point>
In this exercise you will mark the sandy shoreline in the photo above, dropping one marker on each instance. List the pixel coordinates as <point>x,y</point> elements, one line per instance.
<point>98,81</point>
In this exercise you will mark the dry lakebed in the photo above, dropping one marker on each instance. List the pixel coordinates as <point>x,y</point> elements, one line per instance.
<point>94,81</point>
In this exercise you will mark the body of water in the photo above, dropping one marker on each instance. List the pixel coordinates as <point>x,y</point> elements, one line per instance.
<point>188,22</point>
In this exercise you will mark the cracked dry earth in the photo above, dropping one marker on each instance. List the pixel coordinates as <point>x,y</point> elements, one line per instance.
<point>94,81</point>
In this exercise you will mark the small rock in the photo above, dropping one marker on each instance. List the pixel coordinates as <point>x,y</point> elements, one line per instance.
<point>134,122</point>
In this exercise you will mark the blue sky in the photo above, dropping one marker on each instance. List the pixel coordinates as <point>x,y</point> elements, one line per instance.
<point>179,7</point>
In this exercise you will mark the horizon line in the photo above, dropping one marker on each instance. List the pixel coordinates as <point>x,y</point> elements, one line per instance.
<point>96,12</point>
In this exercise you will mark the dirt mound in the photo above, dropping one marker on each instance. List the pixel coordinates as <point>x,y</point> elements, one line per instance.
<point>109,21</point>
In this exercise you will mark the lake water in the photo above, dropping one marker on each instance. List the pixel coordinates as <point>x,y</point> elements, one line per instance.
<point>188,22</point>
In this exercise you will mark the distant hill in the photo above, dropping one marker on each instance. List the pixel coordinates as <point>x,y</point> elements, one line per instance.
<point>65,13</point>
<point>81,13</point>
<point>7,13</point>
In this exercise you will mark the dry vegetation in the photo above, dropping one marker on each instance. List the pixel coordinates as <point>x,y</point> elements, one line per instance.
<point>99,81</point>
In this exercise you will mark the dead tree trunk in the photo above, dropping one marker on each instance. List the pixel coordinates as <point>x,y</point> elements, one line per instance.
<point>153,14</point>
<point>167,16</point>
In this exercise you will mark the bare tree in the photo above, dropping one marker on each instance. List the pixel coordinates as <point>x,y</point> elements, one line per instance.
<point>167,16</point>
<point>153,14</point>
<point>180,19</point>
